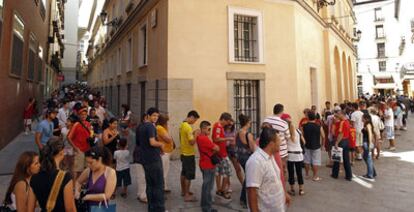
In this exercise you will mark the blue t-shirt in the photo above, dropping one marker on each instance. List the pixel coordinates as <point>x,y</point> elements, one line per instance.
<point>147,153</point>
<point>45,128</point>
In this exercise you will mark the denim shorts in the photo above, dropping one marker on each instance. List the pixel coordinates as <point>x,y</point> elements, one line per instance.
<point>313,156</point>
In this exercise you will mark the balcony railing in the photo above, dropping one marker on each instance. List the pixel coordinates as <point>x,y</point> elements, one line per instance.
<point>379,19</point>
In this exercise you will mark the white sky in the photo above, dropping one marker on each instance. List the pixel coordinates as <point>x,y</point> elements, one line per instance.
<point>84,13</point>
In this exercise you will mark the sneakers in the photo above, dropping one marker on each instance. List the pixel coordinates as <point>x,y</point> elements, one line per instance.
<point>366,177</point>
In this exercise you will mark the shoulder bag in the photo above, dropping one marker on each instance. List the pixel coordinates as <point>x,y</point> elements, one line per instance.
<point>54,192</point>
<point>90,140</point>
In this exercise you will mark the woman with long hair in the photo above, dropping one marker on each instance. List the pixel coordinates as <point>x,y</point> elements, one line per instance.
<point>368,144</point>
<point>295,158</point>
<point>18,191</point>
<point>42,184</point>
<point>245,146</point>
<point>111,136</point>
<point>164,136</point>
<point>99,177</point>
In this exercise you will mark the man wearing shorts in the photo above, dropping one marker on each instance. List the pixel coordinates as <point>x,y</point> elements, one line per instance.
<point>389,125</point>
<point>187,142</point>
<point>356,121</point>
<point>223,169</point>
<point>314,137</point>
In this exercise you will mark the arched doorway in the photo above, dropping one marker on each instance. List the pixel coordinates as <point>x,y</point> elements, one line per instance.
<point>337,62</point>
<point>346,77</point>
<point>351,80</point>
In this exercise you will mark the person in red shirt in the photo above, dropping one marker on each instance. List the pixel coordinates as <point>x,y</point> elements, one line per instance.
<point>28,115</point>
<point>342,134</point>
<point>223,168</point>
<point>78,139</point>
<point>206,148</point>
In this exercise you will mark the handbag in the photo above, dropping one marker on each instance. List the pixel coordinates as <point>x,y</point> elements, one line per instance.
<point>337,154</point>
<point>106,208</point>
<point>82,205</point>
<point>215,159</point>
<point>51,200</point>
<point>89,140</point>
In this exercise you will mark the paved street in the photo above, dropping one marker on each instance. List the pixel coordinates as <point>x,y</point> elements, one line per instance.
<point>392,191</point>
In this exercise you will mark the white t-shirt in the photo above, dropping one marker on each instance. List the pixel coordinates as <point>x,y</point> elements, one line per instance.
<point>263,173</point>
<point>122,159</point>
<point>356,117</point>
<point>376,122</point>
<point>294,148</point>
<point>390,121</point>
<point>100,112</point>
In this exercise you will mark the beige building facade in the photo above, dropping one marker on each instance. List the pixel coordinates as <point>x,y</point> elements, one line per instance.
<point>239,56</point>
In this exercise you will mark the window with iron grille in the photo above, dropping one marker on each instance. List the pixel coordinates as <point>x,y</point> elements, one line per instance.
<point>32,57</point>
<point>247,101</point>
<point>18,43</point>
<point>245,38</point>
<point>382,65</point>
<point>381,50</point>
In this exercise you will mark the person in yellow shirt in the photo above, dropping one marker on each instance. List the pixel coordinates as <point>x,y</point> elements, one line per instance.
<point>164,137</point>
<point>187,142</point>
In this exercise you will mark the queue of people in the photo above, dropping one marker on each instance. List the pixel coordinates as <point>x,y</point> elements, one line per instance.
<point>84,154</point>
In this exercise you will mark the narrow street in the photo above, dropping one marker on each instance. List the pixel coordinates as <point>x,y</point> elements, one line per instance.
<point>392,191</point>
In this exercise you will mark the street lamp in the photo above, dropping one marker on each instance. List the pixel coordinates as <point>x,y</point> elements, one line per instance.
<point>324,3</point>
<point>357,37</point>
<point>103,16</point>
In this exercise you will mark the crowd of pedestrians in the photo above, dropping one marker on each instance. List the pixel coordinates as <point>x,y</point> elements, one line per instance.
<point>82,158</point>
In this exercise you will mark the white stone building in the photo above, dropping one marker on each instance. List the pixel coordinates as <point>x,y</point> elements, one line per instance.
<point>385,49</point>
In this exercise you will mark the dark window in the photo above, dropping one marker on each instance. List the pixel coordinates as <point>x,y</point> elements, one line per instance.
<point>245,38</point>
<point>43,10</point>
<point>157,95</point>
<point>110,97</point>
<point>247,102</point>
<point>143,102</point>
<point>1,27</point>
<point>382,65</point>
<point>118,99</point>
<point>129,95</point>
<point>39,69</point>
<point>32,58</point>
<point>17,55</point>
<point>381,49</point>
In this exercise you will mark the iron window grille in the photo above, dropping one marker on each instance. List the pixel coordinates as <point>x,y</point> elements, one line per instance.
<point>245,38</point>
<point>381,50</point>
<point>247,102</point>
<point>382,65</point>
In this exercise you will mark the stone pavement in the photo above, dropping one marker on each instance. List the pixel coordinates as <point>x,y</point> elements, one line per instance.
<point>393,189</point>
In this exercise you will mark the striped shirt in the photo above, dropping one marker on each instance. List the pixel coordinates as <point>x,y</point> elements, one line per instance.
<point>283,127</point>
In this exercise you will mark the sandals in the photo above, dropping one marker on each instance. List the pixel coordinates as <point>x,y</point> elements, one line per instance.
<point>301,192</point>
<point>291,192</point>
<point>317,179</point>
<point>225,195</point>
